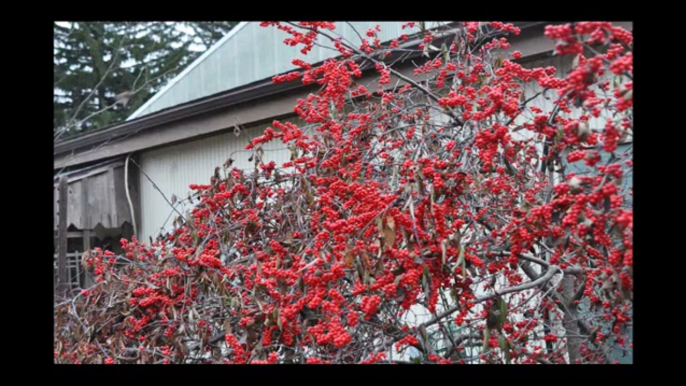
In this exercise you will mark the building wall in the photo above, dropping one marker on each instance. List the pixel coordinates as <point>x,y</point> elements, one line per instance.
<point>174,168</point>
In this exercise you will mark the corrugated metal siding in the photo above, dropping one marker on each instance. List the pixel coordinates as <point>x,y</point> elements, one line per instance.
<point>563,64</point>
<point>252,54</point>
<point>175,167</point>
<point>546,103</point>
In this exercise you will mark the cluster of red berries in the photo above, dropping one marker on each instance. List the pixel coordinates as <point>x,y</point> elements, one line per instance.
<point>374,358</point>
<point>369,305</point>
<point>408,340</point>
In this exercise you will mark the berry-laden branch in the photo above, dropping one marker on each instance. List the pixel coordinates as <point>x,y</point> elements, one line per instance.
<point>394,230</point>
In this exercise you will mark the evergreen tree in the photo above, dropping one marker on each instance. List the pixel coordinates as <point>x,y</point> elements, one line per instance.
<point>98,64</point>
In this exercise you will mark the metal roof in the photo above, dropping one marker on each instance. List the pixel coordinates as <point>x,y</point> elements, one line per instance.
<point>249,53</point>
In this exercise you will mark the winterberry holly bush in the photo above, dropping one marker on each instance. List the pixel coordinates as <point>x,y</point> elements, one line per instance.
<point>448,191</point>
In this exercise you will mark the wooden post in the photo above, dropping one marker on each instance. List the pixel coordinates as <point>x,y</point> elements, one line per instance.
<point>62,284</point>
<point>87,279</point>
<point>76,263</point>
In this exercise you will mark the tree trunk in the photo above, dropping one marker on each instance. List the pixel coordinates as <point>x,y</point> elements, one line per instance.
<point>570,320</point>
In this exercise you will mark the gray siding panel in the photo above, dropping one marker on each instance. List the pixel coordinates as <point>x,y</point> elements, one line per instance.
<point>174,168</point>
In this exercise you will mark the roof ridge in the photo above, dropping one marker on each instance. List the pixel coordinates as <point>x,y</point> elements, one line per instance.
<point>188,69</point>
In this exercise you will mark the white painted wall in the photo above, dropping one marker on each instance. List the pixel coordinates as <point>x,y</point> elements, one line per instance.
<point>174,168</point>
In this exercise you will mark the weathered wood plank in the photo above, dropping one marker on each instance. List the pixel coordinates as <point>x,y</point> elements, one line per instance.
<point>121,202</point>
<point>112,200</point>
<point>98,207</point>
